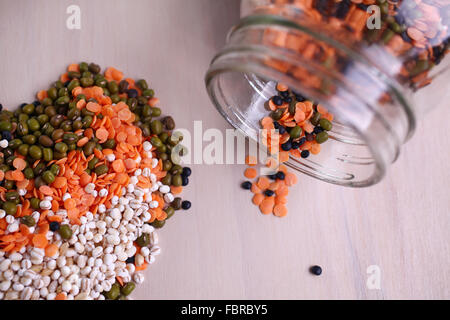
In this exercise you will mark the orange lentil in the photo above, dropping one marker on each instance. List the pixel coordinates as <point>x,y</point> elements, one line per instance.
<point>280,210</point>
<point>19,164</point>
<point>64,77</point>
<point>263,183</point>
<point>255,188</point>
<point>82,142</point>
<point>46,190</point>
<point>41,95</point>
<point>290,179</point>
<point>70,204</point>
<point>281,87</point>
<point>51,250</point>
<point>251,160</point>
<point>250,173</point>
<point>40,241</point>
<point>102,134</point>
<point>284,156</point>
<point>257,199</point>
<point>61,296</point>
<point>73,67</point>
<point>266,205</point>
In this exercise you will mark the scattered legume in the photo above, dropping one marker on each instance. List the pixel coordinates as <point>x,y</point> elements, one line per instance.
<point>302,126</point>
<point>316,270</point>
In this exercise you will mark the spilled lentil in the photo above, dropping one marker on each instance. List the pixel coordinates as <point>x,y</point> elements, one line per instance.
<point>296,127</point>
<point>87,174</point>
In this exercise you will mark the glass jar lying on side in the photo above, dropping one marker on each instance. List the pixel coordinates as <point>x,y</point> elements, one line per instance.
<point>367,74</point>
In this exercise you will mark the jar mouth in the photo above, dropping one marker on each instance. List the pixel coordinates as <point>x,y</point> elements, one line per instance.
<point>365,139</point>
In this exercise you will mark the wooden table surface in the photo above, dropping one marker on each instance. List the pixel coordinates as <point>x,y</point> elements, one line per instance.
<point>223,248</point>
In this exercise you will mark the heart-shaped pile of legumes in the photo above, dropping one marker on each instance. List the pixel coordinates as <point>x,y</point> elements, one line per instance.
<point>88,172</point>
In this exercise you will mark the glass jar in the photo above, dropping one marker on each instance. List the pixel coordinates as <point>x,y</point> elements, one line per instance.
<point>366,72</point>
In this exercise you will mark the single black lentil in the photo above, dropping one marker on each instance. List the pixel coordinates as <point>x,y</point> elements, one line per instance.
<point>246,185</point>
<point>316,270</point>
<point>186,205</point>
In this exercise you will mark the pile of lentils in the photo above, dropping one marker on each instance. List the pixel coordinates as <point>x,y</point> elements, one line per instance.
<point>298,127</point>
<point>88,172</point>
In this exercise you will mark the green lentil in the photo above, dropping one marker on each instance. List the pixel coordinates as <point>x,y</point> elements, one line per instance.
<point>56,120</point>
<point>143,240</point>
<point>92,163</point>
<point>35,152</point>
<point>100,170</point>
<point>114,293</point>
<point>52,93</point>
<point>87,121</point>
<point>39,169</point>
<point>29,139</point>
<point>149,93</point>
<point>176,169</point>
<point>156,112</point>
<point>158,224</point>
<point>109,144</point>
<point>315,119</point>
<point>73,74</point>
<point>128,288</point>
<point>54,168</point>
<point>177,180</point>
<point>292,107</point>
<point>167,180</point>
<point>322,137</point>
<point>9,160</point>
<point>176,203</point>
<point>43,119</point>
<point>28,173</point>
<point>46,102</point>
<point>23,149</point>
<point>156,142</point>
<point>73,84</point>
<point>9,184</point>
<point>33,124</point>
<point>77,125</point>
<point>35,202</point>
<point>88,148</point>
<point>61,147</point>
<point>28,221</point>
<point>10,208</point>
<point>23,117</point>
<point>22,128</point>
<point>61,101</point>
<point>113,87</point>
<point>5,126</point>
<point>28,109</point>
<point>296,132</point>
<point>15,143</point>
<point>63,92</point>
<point>276,115</point>
<point>115,98</point>
<point>12,196</point>
<point>170,212</point>
<point>48,177</point>
<point>65,232</point>
<point>167,165</point>
<point>325,124</point>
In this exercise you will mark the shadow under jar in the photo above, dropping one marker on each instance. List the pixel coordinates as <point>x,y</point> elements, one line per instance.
<point>334,53</point>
